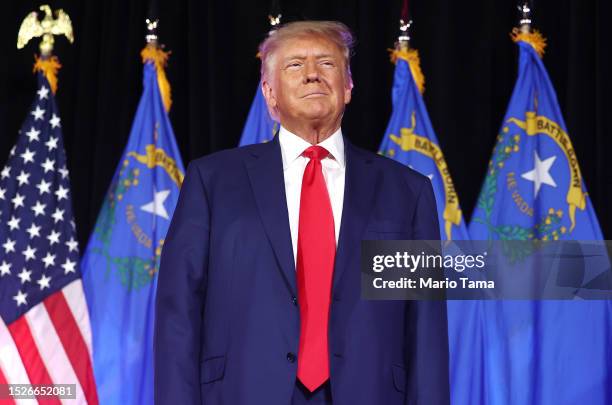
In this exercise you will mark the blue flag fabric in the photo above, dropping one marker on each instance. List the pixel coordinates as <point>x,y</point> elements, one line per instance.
<point>418,148</point>
<point>259,126</point>
<point>528,352</point>
<point>122,258</point>
<point>411,140</point>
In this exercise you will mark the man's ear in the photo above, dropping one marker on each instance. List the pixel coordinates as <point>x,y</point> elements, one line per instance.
<point>268,94</point>
<point>348,90</point>
<point>266,89</point>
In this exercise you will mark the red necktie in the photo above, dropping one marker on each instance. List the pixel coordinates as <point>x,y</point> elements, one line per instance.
<point>315,267</point>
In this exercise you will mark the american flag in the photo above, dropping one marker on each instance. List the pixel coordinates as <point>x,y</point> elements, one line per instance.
<point>45,336</point>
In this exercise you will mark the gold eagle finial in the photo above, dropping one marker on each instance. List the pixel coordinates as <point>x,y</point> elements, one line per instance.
<point>46,28</point>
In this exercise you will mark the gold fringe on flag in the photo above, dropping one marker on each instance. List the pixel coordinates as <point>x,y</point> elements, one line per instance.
<point>412,57</point>
<point>535,39</point>
<point>152,53</point>
<point>49,67</point>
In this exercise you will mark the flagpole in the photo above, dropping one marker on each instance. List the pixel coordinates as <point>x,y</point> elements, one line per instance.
<point>525,22</point>
<point>524,32</point>
<point>275,15</point>
<point>403,40</point>
<point>46,28</point>
<point>403,50</point>
<point>151,37</point>
<point>275,21</point>
<point>154,52</point>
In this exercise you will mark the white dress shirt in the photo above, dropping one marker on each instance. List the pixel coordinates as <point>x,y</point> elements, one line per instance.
<point>294,164</point>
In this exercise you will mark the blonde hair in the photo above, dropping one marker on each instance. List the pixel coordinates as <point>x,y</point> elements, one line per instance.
<point>334,31</point>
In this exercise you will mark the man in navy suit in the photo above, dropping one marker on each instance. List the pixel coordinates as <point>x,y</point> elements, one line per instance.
<point>258,298</point>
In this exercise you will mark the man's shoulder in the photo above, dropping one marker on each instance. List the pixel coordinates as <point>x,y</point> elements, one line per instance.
<point>389,166</point>
<point>227,159</point>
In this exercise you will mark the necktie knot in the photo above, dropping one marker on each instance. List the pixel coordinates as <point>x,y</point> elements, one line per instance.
<point>316,153</point>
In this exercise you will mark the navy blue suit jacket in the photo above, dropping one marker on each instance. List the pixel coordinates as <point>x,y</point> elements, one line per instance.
<point>227,324</point>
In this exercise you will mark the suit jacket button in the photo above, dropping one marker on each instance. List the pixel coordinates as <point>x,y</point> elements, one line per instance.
<point>291,357</point>
<point>294,300</point>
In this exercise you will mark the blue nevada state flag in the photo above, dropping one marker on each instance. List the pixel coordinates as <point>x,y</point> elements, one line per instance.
<point>417,147</point>
<point>122,258</point>
<point>411,140</point>
<point>544,352</point>
<point>259,126</point>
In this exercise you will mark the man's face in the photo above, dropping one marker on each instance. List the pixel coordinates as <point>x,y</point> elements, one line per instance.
<point>307,82</point>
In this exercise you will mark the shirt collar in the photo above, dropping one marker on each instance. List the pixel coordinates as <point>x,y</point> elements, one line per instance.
<point>292,146</point>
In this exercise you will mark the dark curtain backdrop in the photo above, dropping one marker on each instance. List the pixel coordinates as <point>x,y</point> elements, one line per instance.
<point>468,59</point>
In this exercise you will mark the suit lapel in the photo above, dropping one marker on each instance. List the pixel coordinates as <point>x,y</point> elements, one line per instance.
<point>265,169</point>
<point>359,192</point>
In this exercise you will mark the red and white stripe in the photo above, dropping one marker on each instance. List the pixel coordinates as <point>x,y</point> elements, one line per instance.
<point>51,344</point>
